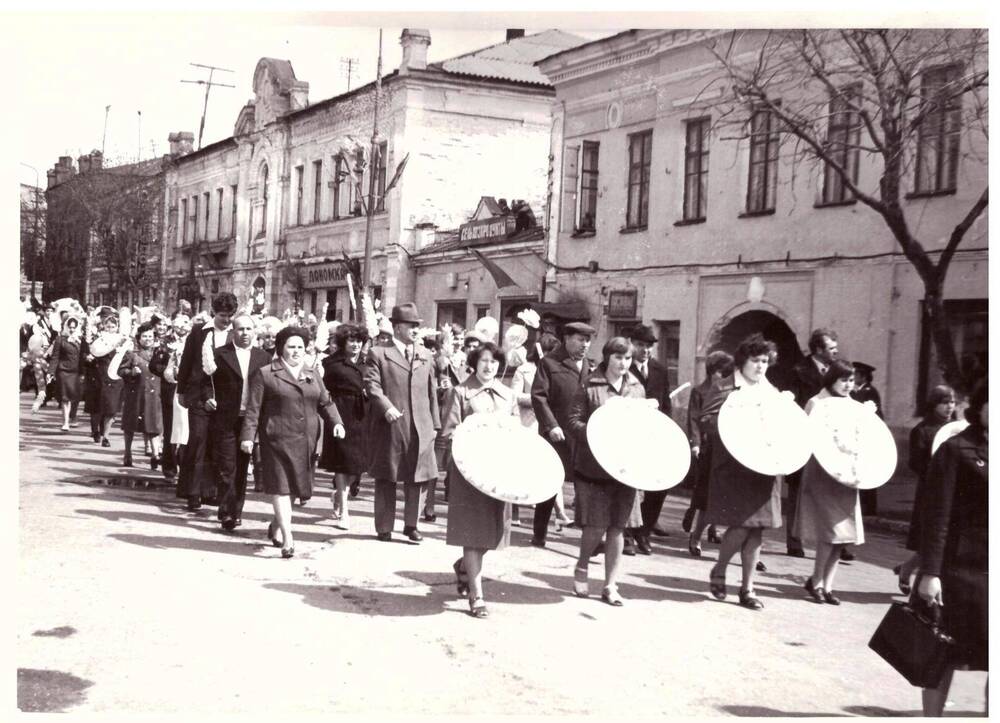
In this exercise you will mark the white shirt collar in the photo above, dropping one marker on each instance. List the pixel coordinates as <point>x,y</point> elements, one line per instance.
<point>295,371</point>
<point>400,345</point>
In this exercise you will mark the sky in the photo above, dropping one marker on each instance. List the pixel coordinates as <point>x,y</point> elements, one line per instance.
<point>135,65</point>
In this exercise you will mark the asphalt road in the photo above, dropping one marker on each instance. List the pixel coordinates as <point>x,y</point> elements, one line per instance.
<point>128,603</point>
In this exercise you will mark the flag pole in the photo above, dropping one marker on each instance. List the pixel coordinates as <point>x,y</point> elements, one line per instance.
<point>366,274</point>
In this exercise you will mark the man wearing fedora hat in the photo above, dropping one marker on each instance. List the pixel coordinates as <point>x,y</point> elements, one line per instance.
<point>653,376</point>
<point>559,376</point>
<point>403,389</point>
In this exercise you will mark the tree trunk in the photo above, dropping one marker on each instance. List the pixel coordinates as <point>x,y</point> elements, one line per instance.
<point>944,346</point>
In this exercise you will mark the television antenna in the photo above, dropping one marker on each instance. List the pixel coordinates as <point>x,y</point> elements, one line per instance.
<point>208,87</point>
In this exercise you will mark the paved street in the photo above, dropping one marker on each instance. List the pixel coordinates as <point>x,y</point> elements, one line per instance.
<point>127,602</point>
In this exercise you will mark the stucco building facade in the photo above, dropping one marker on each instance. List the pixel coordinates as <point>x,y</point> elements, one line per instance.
<point>636,110</point>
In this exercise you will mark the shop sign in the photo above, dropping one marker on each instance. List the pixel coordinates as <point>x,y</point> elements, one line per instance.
<point>623,304</point>
<point>324,275</point>
<point>489,228</point>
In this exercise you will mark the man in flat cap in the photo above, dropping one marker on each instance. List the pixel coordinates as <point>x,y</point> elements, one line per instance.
<point>560,374</point>
<point>401,382</point>
<point>653,376</point>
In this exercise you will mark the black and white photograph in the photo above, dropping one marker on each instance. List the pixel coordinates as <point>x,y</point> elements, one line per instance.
<point>619,364</point>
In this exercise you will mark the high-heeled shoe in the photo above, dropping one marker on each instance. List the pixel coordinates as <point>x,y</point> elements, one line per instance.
<point>461,579</point>
<point>610,596</point>
<point>287,552</point>
<point>272,536</point>
<point>904,585</point>
<point>477,608</point>
<point>581,587</point>
<point>154,461</point>
<point>713,535</point>
<point>749,600</point>
<point>127,459</point>
<point>717,586</point>
<point>816,593</point>
<point>830,599</point>
<point>105,442</point>
<point>694,547</point>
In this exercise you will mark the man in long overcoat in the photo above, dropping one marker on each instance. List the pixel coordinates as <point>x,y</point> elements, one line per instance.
<point>807,381</point>
<point>653,376</point>
<point>559,376</point>
<point>403,391</point>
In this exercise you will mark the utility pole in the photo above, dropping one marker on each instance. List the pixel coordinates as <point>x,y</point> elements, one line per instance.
<point>349,69</point>
<point>208,86</point>
<point>138,145</point>
<point>104,137</point>
<point>366,274</point>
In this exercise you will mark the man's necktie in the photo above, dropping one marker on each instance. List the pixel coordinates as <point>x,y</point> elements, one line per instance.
<point>409,354</point>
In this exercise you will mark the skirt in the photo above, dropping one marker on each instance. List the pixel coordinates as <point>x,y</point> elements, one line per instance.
<point>475,519</point>
<point>603,503</point>
<point>111,397</point>
<point>966,614</point>
<point>827,511</point>
<point>738,496</point>
<point>70,388</point>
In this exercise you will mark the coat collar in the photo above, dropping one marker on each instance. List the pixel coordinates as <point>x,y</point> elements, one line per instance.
<point>281,372</point>
<point>475,387</point>
<point>393,354</point>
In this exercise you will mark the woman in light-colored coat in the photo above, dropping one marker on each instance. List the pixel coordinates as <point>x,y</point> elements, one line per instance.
<point>287,399</point>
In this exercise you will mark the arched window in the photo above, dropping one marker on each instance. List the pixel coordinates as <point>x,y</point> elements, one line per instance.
<point>263,211</point>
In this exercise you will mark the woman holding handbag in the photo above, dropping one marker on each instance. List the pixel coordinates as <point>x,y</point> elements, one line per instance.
<point>954,544</point>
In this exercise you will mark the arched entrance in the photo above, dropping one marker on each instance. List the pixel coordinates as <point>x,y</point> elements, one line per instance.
<point>727,336</point>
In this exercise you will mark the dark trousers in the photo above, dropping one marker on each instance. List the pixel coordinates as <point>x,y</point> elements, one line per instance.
<point>651,506</point>
<point>197,473</point>
<point>169,462</point>
<point>543,513</point>
<point>231,466</point>
<point>95,426</point>
<point>414,497</point>
<point>792,505</point>
<point>869,502</point>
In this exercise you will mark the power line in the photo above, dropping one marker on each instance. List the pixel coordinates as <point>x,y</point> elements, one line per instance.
<point>208,87</point>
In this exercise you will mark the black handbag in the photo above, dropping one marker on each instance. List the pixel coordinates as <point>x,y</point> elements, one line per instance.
<point>911,640</point>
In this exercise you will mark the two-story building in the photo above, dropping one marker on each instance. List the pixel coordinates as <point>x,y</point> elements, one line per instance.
<point>662,216</point>
<point>275,209</point>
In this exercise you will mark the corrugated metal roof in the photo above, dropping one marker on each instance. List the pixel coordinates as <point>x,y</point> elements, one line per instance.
<point>513,60</point>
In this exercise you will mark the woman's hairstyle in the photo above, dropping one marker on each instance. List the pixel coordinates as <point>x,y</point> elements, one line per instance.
<point>472,358</point>
<point>143,328</point>
<point>753,345</point>
<point>282,337</point>
<point>838,369</point>
<point>432,343</point>
<point>978,399</point>
<point>719,361</point>
<point>615,345</point>
<point>938,395</point>
<point>346,332</point>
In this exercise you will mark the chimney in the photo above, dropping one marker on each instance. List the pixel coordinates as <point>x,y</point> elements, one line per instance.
<point>61,172</point>
<point>84,163</point>
<point>415,42</point>
<point>96,160</point>
<point>298,95</point>
<point>181,143</point>
<point>514,34</point>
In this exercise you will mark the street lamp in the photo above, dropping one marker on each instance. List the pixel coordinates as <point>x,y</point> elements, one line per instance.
<point>34,235</point>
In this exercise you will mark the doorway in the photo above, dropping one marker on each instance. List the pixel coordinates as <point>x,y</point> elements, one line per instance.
<point>727,337</point>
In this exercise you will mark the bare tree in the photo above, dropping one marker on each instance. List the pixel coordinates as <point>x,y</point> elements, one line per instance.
<point>911,103</point>
<point>32,234</point>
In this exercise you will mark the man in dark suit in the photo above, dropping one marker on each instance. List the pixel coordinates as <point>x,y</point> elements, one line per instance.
<point>559,376</point>
<point>653,376</point>
<point>226,397</point>
<point>402,386</point>
<point>807,381</point>
<point>197,478</point>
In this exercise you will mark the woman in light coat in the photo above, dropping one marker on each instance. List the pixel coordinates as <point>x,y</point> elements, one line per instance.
<point>287,399</point>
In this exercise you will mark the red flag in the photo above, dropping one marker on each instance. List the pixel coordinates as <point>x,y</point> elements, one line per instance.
<point>499,275</point>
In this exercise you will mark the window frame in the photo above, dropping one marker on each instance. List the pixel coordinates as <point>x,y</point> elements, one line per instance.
<point>696,181</point>
<point>232,219</point>
<point>844,129</point>
<point>939,133</point>
<point>184,221</point>
<point>300,173</point>
<point>588,186</point>
<point>207,195</point>
<point>768,139</point>
<point>218,221</point>
<point>383,159</point>
<point>194,214</point>
<point>644,171</point>
<point>317,188</point>
<point>264,199</point>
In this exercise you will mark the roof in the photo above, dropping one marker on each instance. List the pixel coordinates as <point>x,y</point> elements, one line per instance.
<point>578,46</point>
<point>513,60</point>
<point>451,241</point>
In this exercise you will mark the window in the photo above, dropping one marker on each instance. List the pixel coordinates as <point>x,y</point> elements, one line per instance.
<point>451,312</point>
<point>696,170</point>
<point>218,215</point>
<point>763,179</point>
<point>640,148</point>
<point>344,201</point>
<point>938,135</point>
<point>669,346</point>
<point>482,310</point>
<point>338,173</point>
<point>586,218</point>
<point>232,221</point>
<point>263,210</point>
<point>208,207</point>
<point>968,320</point>
<point>383,152</point>
<point>184,221</point>
<point>299,173</point>
<point>843,138</point>
<point>317,188</point>
<point>194,220</point>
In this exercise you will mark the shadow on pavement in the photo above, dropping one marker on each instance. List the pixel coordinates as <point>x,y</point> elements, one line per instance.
<point>239,545</point>
<point>493,590</point>
<point>363,601</point>
<point>48,691</point>
<point>757,711</point>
